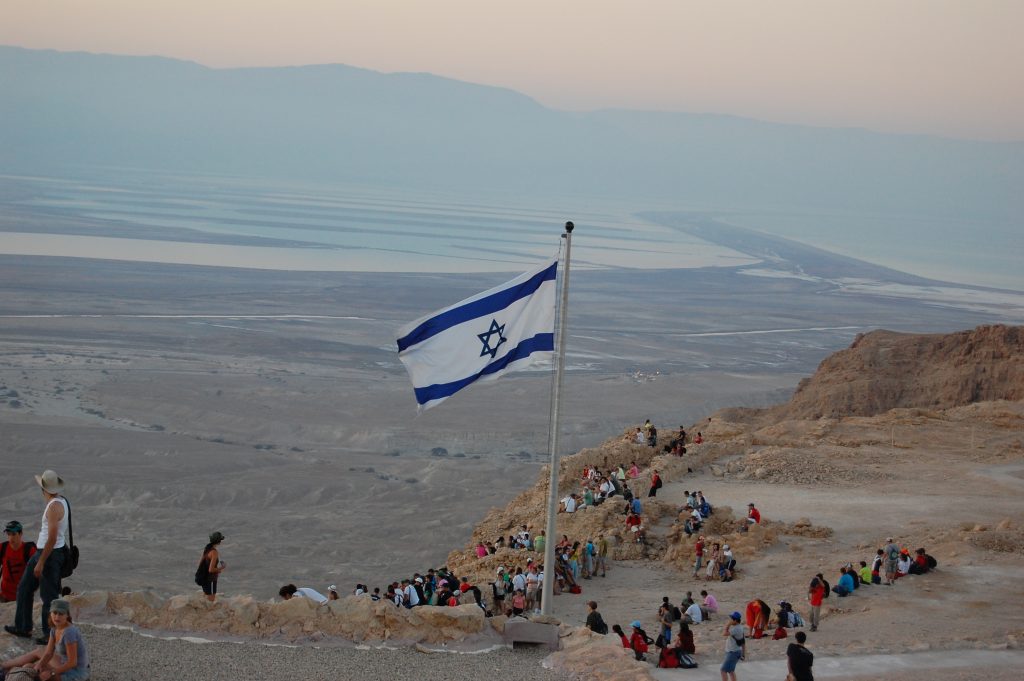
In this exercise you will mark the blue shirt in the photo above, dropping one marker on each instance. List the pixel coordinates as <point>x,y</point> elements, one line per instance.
<point>72,635</point>
<point>846,581</point>
<point>637,508</point>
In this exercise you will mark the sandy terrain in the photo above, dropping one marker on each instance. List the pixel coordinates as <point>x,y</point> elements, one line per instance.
<point>197,400</point>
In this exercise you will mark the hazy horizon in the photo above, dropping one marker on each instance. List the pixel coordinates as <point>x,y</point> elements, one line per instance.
<point>937,67</point>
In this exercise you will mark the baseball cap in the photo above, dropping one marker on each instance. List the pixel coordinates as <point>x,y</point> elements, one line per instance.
<point>636,623</point>
<point>736,616</point>
<point>13,527</point>
<point>60,605</point>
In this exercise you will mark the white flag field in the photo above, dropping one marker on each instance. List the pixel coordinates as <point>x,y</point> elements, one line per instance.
<point>506,328</point>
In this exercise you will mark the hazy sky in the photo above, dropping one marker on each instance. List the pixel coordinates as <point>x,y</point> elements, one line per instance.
<point>949,67</point>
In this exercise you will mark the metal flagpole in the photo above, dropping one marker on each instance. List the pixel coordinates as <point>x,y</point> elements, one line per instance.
<point>547,589</point>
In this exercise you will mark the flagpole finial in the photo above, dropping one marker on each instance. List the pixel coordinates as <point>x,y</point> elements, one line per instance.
<point>569,227</point>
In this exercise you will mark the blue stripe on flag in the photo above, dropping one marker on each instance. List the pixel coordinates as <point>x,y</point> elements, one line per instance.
<point>478,308</point>
<point>542,342</point>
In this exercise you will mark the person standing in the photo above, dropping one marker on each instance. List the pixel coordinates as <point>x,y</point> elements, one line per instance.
<point>698,551</point>
<point>602,555</point>
<point>210,567</point>
<point>800,659</point>
<point>734,643</point>
<point>655,484</point>
<point>43,569</point>
<point>815,594</point>
<point>892,556</point>
<point>14,555</point>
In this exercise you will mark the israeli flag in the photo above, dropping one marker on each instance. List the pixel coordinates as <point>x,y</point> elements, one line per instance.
<point>506,328</point>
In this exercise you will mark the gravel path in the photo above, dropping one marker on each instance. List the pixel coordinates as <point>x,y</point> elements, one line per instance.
<point>120,655</point>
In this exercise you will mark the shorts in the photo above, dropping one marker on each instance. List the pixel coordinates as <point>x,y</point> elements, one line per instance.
<point>209,588</point>
<point>890,567</point>
<point>732,658</point>
<point>75,675</point>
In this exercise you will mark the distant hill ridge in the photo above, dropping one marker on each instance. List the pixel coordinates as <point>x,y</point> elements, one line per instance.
<point>71,112</point>
<point>884,370</point>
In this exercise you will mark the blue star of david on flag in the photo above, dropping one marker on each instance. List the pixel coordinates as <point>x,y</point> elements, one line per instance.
<point>485,338</point>
<point>444,351</point>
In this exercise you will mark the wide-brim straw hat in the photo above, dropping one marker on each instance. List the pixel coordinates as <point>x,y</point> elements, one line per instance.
<point>50,482</point>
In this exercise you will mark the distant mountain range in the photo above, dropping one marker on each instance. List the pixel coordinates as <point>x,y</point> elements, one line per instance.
<point>68,112</point>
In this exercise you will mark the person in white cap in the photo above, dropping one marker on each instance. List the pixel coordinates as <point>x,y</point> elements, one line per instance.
<point>43,569</point>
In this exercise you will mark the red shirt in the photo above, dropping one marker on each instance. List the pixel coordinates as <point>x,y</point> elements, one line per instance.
<point>11,570</point>
<point>817,594</point>
<point>633,520</point>
<point>699,548</point>
<point>754,515</point>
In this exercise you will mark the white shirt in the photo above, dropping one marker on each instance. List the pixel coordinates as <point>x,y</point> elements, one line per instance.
<point>570,505</point>
<point>532,580</point>
<point>311,594</point>
<point>695,614</point>
<point>519,582</point>
<point>411,597</point>
<point>62,526</point>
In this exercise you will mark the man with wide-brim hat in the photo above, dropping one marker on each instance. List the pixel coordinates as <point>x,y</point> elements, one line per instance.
<point>43,569</point>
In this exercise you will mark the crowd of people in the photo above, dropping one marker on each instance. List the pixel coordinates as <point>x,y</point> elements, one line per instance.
<point>27,566</point>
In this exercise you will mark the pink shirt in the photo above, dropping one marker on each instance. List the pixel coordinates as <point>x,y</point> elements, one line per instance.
<point>711,603</point>
<point>481,551</point>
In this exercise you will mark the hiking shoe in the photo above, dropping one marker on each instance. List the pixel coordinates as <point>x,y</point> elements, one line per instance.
<point>14,632</point>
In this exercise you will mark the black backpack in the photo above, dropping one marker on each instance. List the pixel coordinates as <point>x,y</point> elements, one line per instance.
<point>67,568</point>
<point>203,571</point>
<point>932,563</point>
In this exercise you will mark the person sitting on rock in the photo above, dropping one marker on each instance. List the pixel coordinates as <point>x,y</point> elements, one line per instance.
<point>639,438</point>
<point>639,641</point>
<point>713,557</point>
<point>903,563</point>
<point>595,622</point>
<point>703,506</point>
<point>920,564</point>
<point>684,645</point>
<point>709,606</point>
<point>65,655</point>
<point>727,567</point>
<point>699,440</point>
<point>693,614</point>
<point>289,591</point>
<point>845,586</point>
<point>787,617</point>
<point>634,471</point>
<point>753,515</point>
<point>622,635</point>
<point>655,483</point>
<point>635,525</point>
<point>864,573</point>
